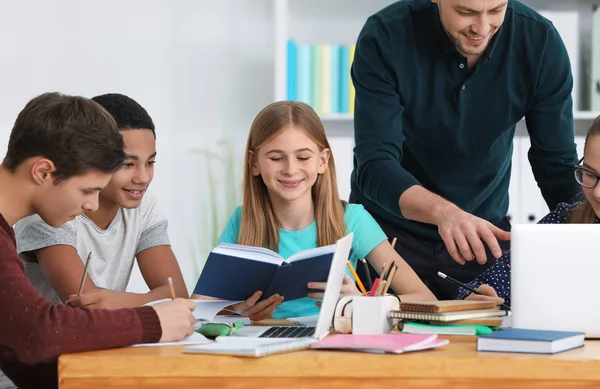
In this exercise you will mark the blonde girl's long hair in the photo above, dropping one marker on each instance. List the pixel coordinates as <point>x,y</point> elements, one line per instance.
<point>583,213</point>
<point>259,226</point>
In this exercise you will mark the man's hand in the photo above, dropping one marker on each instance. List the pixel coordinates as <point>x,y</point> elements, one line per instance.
<point>257,311</point>
<point>348,288</point>
<point>487,294</point>
<point>101,298</point>
<point>463,234</point>
<point>176,319</point>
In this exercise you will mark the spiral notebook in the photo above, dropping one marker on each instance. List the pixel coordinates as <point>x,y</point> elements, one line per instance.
<point>254,348</point>
<point>446,306</point>
<point>448,316</point>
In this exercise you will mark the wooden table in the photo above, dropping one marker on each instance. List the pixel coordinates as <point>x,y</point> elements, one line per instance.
<point>455,365</point>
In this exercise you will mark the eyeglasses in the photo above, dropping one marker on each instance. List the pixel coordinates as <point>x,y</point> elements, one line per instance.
<point>585,177</point>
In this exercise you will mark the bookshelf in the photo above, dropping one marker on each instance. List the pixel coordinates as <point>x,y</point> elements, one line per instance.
<point>340,21</point>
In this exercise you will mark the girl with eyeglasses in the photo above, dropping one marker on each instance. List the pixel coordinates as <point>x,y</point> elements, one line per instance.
<point>494,284</point>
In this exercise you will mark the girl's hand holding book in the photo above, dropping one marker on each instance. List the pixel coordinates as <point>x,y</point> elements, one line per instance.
<point>255,310</point>
<point>348,288</point>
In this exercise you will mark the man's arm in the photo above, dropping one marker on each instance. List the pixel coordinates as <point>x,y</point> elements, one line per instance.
<point>378,150</point>
<point>550,125</point>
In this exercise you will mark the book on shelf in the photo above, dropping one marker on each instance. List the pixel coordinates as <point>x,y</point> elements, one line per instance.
<point>319,75</point>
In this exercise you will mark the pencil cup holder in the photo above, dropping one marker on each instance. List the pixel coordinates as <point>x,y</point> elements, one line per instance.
<point>370,314</point>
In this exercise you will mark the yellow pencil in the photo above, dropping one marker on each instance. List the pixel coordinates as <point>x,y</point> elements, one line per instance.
<point>84,275</point>
<point>360,284</point>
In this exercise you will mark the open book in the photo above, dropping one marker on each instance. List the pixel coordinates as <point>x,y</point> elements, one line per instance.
<point>234,272</point>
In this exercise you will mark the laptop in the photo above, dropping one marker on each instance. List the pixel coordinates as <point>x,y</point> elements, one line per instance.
<point>330,299</point>
<point>554,277</point>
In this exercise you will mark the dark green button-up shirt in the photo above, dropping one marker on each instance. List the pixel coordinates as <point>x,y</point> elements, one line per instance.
<point>422,117</point>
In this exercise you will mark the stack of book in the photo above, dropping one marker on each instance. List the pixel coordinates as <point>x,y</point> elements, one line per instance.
<point>452,317</point>
<point>319,75</point>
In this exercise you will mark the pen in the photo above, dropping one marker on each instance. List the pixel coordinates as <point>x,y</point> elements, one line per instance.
<point>171,288</point>
<point>84,275</point>
<point>457,282</point>
<point>360,284</point>
<point>367,274</point>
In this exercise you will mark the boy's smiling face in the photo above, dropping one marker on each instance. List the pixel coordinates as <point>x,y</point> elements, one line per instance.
<point>128,185</point>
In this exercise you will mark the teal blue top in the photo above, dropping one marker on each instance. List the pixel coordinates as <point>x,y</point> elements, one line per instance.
<point>367,236</point>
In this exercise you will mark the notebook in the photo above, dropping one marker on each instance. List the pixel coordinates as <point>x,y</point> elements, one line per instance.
<point>519,340</point>
<point>207,310</point>
<point>325,318</point>
<point>448,316</point>
<point>484,321</point>
<point>446,306</point>
<point>245,347</point>
<point>235,272</point>
<point>388,343</point>
<point>466,330</point>
<point>194,338</point>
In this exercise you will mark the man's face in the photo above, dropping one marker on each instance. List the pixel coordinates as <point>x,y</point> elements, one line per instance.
<point>471,24</point>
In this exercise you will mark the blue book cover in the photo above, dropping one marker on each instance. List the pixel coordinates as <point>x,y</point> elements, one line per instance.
<point>316,74</point>
<point>532,335</point>
<point>335,78</point>
<point>303,71</point>
<point>291,70</point>
<point>344,79</point>
<point>530,341</point>
<point>235,272</point>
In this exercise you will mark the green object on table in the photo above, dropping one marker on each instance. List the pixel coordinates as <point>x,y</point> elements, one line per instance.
<point>422,328</point>
<point>212,330</point>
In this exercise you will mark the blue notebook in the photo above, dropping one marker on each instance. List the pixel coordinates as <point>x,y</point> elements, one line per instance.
<point>234,272</point>
<point>517,340</point>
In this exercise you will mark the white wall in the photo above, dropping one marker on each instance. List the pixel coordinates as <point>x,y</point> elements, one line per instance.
<point>201,68</point>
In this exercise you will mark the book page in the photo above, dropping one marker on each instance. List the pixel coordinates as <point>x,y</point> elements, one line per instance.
<point>311,253</point>
<point>249,252</point>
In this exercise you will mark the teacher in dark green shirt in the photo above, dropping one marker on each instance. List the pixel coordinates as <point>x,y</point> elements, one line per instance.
<point>440,86</point>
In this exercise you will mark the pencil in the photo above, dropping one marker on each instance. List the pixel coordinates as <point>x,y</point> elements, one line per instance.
<point>380,288</point>
<point>360,284</point>
<point>390,277</point>
<point>367,274</point>
<point>171,288</point>
<point>84,275</point>
<point>460,284</point>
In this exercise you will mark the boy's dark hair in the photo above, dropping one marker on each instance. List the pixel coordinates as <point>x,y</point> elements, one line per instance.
<point>128,113</point>
<point>74,132</point>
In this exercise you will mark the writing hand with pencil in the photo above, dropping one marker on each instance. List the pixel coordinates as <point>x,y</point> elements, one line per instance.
<point>176,319</point>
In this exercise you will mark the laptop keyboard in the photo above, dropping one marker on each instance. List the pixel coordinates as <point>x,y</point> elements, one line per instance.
<point>288,332</point>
